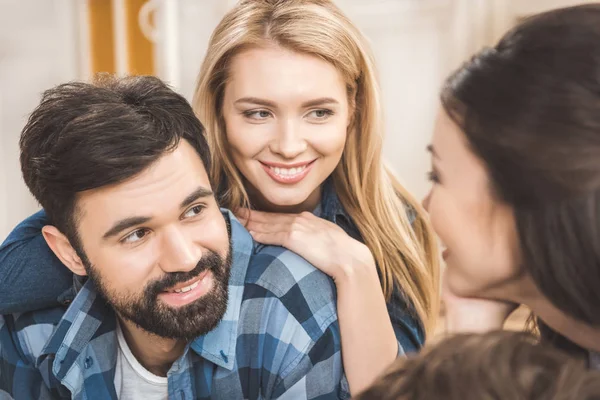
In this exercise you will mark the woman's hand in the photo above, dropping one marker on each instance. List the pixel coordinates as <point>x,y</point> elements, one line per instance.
<point>468,314</point>
<point>362,311</point>
<point>322,243</point>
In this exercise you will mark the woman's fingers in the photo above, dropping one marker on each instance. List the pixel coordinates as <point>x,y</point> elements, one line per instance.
<point>262,227</point>
<point>271,238</point>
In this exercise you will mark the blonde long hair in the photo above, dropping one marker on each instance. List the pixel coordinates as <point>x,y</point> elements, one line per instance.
<point>405,253</point>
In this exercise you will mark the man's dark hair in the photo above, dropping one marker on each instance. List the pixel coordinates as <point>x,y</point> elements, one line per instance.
<point>85,136</point>
<point>496,365</point>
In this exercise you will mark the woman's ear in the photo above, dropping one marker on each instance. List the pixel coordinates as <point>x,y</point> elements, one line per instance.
<point>61,246</point>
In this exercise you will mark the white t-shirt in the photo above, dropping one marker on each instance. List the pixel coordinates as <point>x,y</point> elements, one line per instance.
<point>132,380</point>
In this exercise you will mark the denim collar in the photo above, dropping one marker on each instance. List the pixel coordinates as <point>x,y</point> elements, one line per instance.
<point>331,208</point>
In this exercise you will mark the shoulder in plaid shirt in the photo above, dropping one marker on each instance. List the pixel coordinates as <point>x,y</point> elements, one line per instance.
<point>278,339</point>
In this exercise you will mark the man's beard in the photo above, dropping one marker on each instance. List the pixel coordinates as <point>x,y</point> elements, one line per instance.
<point>186,322</point>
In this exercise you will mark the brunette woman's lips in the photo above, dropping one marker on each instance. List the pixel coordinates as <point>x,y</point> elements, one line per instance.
<point>287,173</point>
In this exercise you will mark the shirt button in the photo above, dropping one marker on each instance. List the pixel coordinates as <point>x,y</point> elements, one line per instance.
<point>224,357</point>
<point>89,361</point>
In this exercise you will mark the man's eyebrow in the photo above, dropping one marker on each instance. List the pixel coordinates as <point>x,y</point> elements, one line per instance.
<point>124,224</point>
<point>127,223</point>
<point>199,193</point>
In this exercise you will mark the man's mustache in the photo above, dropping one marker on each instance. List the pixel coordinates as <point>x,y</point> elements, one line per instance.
<point>210,261</point>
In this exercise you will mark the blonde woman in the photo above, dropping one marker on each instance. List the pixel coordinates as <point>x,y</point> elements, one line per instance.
<point>289,97</point>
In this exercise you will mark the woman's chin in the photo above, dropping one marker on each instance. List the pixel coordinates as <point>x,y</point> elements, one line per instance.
<point>460,285</point>
<point>290,201</point>
<point>289,205</point>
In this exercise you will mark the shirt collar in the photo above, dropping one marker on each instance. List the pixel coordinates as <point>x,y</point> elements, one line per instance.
<point>218,346</point>
<point>89,311</point>
<point>331,208</point>
<point>76,329</point>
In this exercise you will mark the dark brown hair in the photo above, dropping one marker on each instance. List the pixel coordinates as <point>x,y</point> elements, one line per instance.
<point>497,365</point>
<point>84,136</point>
<point>530,109</point>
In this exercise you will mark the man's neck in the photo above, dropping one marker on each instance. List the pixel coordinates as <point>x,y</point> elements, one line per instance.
<point>155,353</point>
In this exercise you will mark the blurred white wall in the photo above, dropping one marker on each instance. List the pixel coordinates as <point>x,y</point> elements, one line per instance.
<point>38,49</point>
<point>416,43</point>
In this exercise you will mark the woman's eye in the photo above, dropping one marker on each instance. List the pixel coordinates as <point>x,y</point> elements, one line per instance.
<point>192,212</point>
<point>324,113</point>
<point>257,114</point>
<point>433,177</point>
<point>135,236</point>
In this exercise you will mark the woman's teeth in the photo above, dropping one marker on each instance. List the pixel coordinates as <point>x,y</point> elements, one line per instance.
<point>288,171</point>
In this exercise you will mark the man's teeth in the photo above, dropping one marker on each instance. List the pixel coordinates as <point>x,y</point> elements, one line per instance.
<point>187,288</point>
<point>288,171</point>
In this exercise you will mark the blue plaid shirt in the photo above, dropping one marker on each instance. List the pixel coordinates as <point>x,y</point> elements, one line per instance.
<point>407,325</point>
<point>279,338</point>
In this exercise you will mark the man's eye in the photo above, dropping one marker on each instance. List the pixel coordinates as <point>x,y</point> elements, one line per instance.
<point>135,236</point>
<point>192,212</point>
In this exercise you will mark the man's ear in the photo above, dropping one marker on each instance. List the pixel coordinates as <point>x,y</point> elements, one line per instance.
<point>61,246</point>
